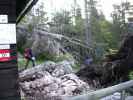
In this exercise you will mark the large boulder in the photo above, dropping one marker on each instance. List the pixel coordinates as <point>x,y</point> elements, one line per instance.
<point>62,68</point>
<point>45,44</point>
<point>40,41</point>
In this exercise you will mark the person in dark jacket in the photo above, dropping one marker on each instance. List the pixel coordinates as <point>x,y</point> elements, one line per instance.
<point>88,61</point>
<point>28,54</point>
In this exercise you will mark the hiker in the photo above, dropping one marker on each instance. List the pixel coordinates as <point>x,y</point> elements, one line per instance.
<point>88,61</point>
<point>28,54</point>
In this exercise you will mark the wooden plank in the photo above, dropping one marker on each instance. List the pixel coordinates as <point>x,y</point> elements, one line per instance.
<point>9,93</point>
<point>9,89</point>
<point>8,82</point>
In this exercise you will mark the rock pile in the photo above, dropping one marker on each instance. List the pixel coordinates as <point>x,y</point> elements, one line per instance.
<point>51,80</point>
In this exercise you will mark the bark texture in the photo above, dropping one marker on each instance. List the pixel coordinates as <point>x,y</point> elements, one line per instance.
<point>114,70</point>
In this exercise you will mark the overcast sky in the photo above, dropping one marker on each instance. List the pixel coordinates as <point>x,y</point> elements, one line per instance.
<point>55,5</point>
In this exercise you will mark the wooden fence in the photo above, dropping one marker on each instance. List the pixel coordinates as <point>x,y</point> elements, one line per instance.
<point>96,95</point>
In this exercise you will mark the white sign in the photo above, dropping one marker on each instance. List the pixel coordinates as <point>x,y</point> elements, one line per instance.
<point>3,18</point>
<point>3,55</point>
<point>4,46</point>
<point>7,34</point>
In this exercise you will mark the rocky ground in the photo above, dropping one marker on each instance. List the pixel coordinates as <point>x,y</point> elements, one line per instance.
<point>51,80</point>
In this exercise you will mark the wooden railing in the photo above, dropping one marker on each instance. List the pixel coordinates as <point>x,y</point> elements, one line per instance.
<point>96,95</point>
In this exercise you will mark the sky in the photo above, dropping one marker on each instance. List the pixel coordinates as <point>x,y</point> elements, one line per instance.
<point>106,6</point>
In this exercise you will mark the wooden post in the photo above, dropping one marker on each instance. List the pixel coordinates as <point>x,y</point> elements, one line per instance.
<point>9,88</point>
<point>123,95</point>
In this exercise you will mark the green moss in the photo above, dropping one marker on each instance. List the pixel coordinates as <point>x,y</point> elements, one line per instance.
<point>46,56</point>
<point>131,75</point>
<point>76,67</point>
<point>63,57</point>
<point>22,62</point>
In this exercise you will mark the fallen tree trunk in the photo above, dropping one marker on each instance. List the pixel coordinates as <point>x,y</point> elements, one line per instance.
<point>26,74</point>
<point>47,66</point>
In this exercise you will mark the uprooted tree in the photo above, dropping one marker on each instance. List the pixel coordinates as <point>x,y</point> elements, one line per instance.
<point>115,69</point>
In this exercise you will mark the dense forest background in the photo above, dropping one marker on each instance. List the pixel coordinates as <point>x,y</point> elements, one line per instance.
<point>91,34</point>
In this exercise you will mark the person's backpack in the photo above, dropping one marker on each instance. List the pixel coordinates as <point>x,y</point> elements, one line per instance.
<point>26,53</point>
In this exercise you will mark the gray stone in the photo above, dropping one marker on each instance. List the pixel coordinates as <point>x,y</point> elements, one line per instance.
<point>129,98</point>
<point>43,80</point>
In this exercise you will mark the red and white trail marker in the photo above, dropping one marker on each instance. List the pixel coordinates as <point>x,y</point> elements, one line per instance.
<point>5,55</point>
